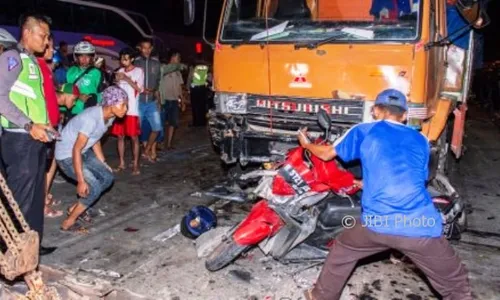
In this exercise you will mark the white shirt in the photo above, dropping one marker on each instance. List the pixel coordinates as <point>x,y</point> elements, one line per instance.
<point>137,76</point>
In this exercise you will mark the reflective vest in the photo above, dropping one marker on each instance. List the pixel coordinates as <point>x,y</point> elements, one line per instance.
<point>200,75</point>
<point>27,93</point>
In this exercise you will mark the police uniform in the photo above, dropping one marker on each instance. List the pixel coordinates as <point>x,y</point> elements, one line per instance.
<point>199,94</point>
<point>24,158</point>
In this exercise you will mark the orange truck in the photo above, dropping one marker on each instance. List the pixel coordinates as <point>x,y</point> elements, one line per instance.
<point>278,62</point>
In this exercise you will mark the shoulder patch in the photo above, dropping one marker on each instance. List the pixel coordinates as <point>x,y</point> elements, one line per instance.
<point>12,62</point>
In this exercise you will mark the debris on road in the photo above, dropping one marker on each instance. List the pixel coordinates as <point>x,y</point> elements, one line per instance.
<point>168,234</point>
<point>196,194</point>
<point>104,273</point>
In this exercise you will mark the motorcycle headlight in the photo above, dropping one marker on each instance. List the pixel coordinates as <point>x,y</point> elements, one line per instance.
<point>232,103</point>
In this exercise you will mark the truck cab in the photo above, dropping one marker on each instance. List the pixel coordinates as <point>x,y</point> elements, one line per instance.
<point>278,62</point>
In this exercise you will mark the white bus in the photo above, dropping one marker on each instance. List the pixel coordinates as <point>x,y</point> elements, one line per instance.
<point>109,28</point>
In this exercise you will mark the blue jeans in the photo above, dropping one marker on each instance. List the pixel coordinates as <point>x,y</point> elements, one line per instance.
<point>98,177</point>
<point>148,111</point>
<point>151,120</point>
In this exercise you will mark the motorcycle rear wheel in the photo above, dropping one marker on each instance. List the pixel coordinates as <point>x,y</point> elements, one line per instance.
<point>224,254</point>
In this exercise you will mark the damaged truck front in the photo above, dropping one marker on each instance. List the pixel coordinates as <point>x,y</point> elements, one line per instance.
<point>278,62</point>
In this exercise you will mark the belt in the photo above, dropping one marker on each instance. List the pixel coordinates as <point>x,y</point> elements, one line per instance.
<point>16,130</point>
<point>146,97</point>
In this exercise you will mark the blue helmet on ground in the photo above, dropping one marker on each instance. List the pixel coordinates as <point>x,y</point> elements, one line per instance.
<point>197,221</point>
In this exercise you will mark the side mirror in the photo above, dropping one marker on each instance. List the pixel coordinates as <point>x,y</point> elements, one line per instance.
<point>189,9</point>
<point>474,12</point>
<point>324,120</point>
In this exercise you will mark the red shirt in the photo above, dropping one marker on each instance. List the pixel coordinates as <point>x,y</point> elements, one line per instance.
<point>49,90</point>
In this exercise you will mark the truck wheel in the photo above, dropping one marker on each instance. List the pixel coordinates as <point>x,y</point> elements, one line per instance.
<point>224,254</point>
<point>447,161</point>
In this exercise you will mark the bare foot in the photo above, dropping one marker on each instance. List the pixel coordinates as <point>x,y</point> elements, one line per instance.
<point>73,227</point>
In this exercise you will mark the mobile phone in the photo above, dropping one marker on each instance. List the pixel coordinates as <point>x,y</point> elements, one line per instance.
<point>52,135</point>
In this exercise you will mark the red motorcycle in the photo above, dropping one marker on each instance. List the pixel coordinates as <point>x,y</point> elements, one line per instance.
<point>305,203</point>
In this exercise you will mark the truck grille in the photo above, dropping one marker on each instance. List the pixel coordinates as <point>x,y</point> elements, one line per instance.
<point>292,124</point>
<point>343,111</point>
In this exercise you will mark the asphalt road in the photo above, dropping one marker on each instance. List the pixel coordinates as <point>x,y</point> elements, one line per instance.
<point>131,237</point>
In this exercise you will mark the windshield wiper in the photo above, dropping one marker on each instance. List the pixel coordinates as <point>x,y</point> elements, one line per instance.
<point>314,45</point>
<point>236,44</point>
<point>356,32</point>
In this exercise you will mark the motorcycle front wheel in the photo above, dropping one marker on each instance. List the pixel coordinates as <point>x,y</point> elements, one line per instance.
<point>224,254</point>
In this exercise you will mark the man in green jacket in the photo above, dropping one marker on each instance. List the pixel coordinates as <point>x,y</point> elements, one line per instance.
<point>85,76</point>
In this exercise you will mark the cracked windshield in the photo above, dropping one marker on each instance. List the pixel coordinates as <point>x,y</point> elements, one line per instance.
<point>320,20</point>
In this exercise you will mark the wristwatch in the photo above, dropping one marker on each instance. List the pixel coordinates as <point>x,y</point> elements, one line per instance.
<point>28,126</point>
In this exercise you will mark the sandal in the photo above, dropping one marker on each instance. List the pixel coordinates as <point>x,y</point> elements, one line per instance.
<point>76,228</point>
<point>52,213</point>
<point>308,294</point>
<point>84,217</point>
<point>52,201</point>
<point>119,169</point>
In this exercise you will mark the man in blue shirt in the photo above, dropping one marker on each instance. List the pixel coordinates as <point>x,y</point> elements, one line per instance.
<point>397,210</point>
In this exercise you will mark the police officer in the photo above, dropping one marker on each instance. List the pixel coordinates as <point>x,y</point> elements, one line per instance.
<point>198,80</point>
<point>25,121</point>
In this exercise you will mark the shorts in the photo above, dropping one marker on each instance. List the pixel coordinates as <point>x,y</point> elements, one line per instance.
<point>149,111</point>
<point>171,112</point>
<point>127,126</point>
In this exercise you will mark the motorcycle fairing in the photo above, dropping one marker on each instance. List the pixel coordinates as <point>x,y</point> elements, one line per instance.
<point>261,223</point>
<point>322,176</point>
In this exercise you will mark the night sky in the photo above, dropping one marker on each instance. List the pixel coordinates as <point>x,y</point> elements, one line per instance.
<point>167,15</point>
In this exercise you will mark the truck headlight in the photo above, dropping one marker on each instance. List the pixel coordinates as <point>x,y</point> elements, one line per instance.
<point>232,103</point>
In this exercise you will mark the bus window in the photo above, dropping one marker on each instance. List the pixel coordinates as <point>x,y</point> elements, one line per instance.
<point>9,14</point>
<point>89,19</point>
<point>141,21</point>
<point>118,27</point>
<point>61,14</point>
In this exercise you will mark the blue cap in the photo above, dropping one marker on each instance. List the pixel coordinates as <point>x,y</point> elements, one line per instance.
<point>392,97</point>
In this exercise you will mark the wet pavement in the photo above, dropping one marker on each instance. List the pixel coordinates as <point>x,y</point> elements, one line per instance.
<point>135,242</point>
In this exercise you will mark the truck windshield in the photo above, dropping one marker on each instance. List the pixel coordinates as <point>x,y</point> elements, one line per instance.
<point>299,21</point>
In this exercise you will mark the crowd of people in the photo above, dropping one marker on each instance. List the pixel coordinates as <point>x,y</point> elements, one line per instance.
<point>55,108</point>
<point>143,95</point>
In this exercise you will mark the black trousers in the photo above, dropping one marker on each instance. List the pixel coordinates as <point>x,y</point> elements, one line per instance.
<point>199,105</point>
<point>24,161</point>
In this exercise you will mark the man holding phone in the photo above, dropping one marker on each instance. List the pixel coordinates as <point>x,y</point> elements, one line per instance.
<point>149,99</point>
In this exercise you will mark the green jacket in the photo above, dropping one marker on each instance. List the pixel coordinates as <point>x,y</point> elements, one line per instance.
<point>27,93</point>
<point>88,84</point>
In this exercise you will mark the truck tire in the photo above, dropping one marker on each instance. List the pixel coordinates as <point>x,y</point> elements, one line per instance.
<point>224,254</point>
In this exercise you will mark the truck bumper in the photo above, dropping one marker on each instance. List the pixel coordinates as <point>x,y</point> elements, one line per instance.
<point>235,141</point>
<point>237,137</point>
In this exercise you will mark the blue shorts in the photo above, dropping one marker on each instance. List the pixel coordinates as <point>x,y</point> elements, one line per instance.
<point>171,112</point>
<point>149,111</point>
